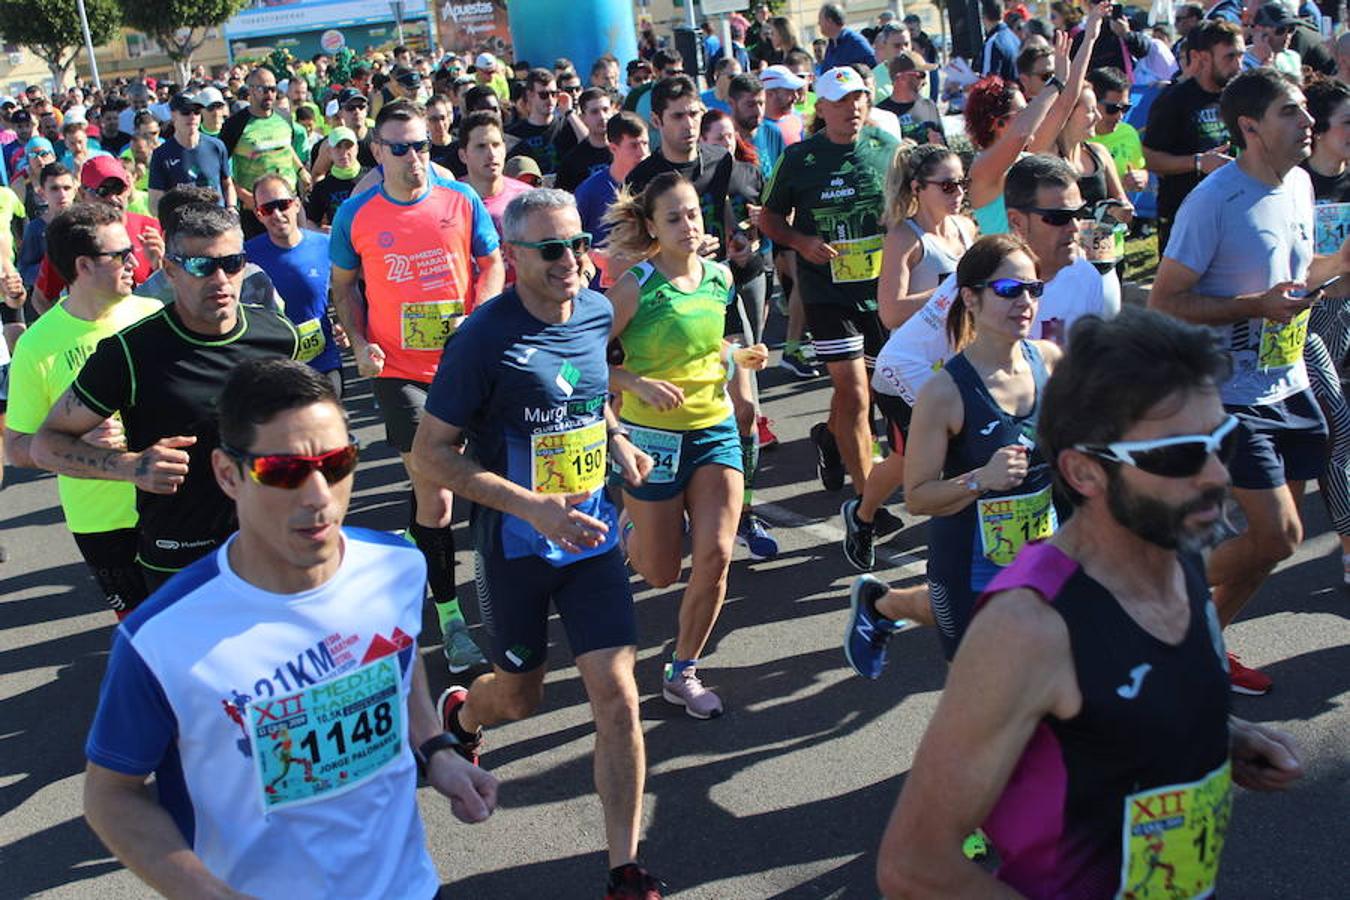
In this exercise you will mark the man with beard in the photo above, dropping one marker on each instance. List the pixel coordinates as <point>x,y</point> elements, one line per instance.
<point>1185,139</point>
<point>1085,718</point>
<point>1241,259</point>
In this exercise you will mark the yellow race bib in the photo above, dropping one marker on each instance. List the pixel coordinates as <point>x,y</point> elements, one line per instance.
<point>1007,524</point>
<point>858,260</point>
<point>569,462</point>
<point>312,340</point>
<point>1172,837</point>
<point>1281,344</point>
<point>428,324</point>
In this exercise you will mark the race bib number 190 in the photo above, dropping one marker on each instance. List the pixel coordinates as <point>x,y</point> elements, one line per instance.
<point>1172,837</point>
<point>328,738</point>
<point>569,462</point>
<point>428,325</point>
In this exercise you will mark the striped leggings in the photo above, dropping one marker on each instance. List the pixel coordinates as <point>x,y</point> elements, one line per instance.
<point>1323,354</point>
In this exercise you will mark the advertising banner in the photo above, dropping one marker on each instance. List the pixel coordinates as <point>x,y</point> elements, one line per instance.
<point>471,26</point>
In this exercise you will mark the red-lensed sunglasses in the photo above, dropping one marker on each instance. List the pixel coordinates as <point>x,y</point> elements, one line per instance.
<point>290,470</point>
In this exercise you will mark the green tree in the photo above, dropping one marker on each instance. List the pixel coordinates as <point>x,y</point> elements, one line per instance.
<point>179,26</point>
<point>51,29</point>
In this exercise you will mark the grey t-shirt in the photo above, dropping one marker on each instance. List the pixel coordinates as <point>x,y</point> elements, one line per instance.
<point>1244,237</point>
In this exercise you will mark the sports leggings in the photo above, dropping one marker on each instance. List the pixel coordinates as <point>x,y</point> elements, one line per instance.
<point>1326,387</point>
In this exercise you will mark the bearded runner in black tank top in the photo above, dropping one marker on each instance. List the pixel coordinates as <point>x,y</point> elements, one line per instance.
<point>1130,797</point>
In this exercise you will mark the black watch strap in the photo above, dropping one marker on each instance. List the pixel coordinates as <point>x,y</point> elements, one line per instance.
<point>1054,82</point>
<point>433,745</point>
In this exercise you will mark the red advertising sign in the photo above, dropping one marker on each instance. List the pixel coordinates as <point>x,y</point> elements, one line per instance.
<point>471,26</point>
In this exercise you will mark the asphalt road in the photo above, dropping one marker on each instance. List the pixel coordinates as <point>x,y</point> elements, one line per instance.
<point>784,796</point>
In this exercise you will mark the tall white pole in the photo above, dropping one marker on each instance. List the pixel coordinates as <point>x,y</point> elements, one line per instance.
<point>89,44</point>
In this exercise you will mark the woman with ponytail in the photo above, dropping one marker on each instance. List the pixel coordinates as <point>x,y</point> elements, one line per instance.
<point>669,317</point>
<point>971,461</point>
<point>926,236</point>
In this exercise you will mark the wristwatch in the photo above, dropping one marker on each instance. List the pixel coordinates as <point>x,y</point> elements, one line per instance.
<point>433,745</point>
<point>973,484</point>
<point>1054,82</point>
<point>619,431</point>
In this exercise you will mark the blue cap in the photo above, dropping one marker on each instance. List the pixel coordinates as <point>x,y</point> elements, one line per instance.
<point>36,144</point>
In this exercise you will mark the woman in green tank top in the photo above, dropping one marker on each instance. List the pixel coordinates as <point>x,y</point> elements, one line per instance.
<point>669,317</point>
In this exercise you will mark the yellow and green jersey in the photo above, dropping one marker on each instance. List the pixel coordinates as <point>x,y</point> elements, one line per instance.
<point>676,336</point>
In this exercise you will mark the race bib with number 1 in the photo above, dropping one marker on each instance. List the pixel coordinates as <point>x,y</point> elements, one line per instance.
<point>569,462</point>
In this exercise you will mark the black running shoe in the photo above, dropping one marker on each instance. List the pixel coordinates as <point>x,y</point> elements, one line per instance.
<point>829,464</point>
<point>632,882</point>
<point>858,538</point>
<point>886,522</point>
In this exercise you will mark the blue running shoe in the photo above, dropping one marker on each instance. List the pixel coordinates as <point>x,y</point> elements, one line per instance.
<point>867,633</point>
<point>754,536</point>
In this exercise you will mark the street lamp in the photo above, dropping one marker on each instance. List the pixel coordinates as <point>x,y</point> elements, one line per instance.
<point>396,7</point>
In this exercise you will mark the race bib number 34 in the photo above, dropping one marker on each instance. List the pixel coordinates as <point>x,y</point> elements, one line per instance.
<point>1172,837</point>
<point>858,260</point>
<point>427,325</point>
<point>664,449</point>
<point>569,462</point>
<point>329,738</point>
<point>1009,523</point>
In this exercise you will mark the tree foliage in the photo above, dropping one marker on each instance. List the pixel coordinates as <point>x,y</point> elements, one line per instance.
<point>178,26</point>
<point>51,28</point>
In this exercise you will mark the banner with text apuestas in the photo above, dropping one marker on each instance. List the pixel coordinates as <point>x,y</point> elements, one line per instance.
<point>472,26</point>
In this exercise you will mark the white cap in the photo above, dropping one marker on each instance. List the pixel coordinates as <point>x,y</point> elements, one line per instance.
<point>485,61</point>
<point>781,77</point>
<point>210,96</point>
<point>838,83</point>
<point>331,109</point>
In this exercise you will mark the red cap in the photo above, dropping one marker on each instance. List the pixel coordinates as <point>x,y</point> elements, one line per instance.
<point>100,169</point>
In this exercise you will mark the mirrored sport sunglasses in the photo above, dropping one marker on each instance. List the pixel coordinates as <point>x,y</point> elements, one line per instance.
<point>289,471</point>
<point>401,148</point>
<point>271,206</point>
<point>206,266</point>
<point>1011,288</point>
<point>552,251</point>
<point>1182,456</point>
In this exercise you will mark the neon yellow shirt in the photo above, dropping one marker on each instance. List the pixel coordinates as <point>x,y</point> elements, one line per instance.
<point>677,337</point>
<point>46,360</point>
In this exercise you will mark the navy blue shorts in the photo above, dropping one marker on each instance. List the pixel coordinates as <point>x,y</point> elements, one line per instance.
<point>592,596</point>
<point>718,445</point>
<point>1284,441</point>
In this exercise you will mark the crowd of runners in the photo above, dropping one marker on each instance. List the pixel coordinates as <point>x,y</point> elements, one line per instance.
<point>556,282</point>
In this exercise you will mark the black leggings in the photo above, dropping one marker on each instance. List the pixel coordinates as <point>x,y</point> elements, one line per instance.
<point>111,558</point>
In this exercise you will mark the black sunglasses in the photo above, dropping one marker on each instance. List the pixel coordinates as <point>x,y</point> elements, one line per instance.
<point>1011,288</point>
<point>552,251</point>
<point>1174,457</point>
<point>1043,76</point>
<point>948,186</point>
<point>401,148</point>
<point>110,188</point>
<point>123,256</point>
<point>271,206</point>
<point>1112,109</point>
<point>206,266</point>
<point>1057,218</point>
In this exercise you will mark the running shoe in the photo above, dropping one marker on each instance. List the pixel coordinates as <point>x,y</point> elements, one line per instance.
<point>754,536</point>
<point>450,701</point>
<point>632,882</point>
<point>886,522</point>
<point>975,846</point>
<point>829,464</point>
<point>461,653</point>
<point>865,639</point>
<point>686,690</point>
<point>858,537</point>
<point>1246,680</point>
<point>797,364</point>
<point>767,439</point>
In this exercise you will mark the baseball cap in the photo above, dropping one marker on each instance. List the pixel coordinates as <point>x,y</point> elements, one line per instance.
<point>39,145</point>
<point>100,169</point>
<point>186,102</point>
<point>350,95</point>
<point>485,62</point>
<point>8,101</point>
<point>210,96</point>
<point>406,76</point>
<point>331,109</point>
<point>517,166</point>
<point>781,77</point>
<point>340,134</point>
<point>908,61</point>
<point>838,83</point>
<point>20,116</point>
<point>1273,15</point>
